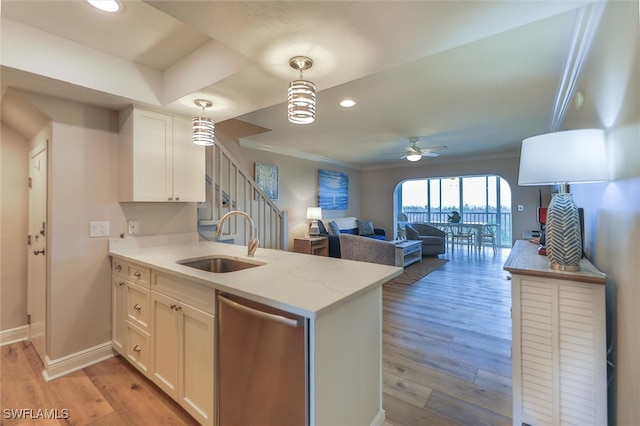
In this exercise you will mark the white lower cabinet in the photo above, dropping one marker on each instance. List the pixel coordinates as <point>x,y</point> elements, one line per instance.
<point>119,314</point>
<point>182,352</point>
<point>165,327</point>
<point>558,342</point>
<point>130,319</point>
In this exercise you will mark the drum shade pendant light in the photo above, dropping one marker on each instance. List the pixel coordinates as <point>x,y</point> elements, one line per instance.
<point>203,127</point>
<point>301,108</point>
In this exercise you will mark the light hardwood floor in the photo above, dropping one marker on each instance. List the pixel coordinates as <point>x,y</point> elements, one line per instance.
<point>447,344</point>
<point>446,350</point>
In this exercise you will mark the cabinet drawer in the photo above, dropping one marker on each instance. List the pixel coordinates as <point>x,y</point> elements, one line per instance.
<point>192,293</point>
<point>132,272</point>
<point>138,305</point>
<point>138,348</point>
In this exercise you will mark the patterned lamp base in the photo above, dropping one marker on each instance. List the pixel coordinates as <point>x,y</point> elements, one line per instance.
<point>563,235</point>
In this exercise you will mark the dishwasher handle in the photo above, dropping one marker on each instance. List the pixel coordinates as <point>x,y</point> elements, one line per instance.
<point>291,322</point>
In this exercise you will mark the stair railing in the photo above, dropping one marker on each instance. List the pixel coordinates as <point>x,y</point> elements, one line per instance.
<point>230,187</point>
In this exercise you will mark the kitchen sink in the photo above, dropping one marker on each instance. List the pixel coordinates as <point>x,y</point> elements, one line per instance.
<point>219,264</point>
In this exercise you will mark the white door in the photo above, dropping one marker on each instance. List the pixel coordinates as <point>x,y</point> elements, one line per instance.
<point>37,248</point>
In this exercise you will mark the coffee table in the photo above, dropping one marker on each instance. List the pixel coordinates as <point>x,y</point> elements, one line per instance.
<point>408,252</point>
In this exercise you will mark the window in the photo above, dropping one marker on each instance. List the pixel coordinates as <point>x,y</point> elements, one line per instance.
<point>475,198</point>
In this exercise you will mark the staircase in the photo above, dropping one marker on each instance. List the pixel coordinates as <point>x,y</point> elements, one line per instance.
<point>229,187</point>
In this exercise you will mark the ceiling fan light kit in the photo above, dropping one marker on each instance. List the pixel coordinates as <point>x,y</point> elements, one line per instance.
<point>110,6</point>
<point>301,96</point>
<point>415,154</point>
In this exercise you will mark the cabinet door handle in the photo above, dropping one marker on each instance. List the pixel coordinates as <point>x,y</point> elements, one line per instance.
<point>173,306</point>
<point>121,283</point>
<point>37,252</point>
<point>137,274</point>
<point>177,198</point>
<point>178,308</point>
<point>137,348</point>
<point>170,198</point>
<point>118,267</point>
<point>137,307</point>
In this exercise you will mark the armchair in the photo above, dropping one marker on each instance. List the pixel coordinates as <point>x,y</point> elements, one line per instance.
<point>433,240</point>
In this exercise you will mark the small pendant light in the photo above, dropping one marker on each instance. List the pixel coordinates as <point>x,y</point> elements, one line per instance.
<point>203,127</point>
<point>301,108</point>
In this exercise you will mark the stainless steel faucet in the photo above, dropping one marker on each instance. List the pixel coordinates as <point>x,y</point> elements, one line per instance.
<point>252,245</point>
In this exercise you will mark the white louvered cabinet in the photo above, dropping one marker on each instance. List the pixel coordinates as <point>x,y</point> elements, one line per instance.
<point>558,342</point>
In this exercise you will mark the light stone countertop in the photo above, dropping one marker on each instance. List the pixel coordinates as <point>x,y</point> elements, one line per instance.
<point>298,283</point>
<point>525,260</point>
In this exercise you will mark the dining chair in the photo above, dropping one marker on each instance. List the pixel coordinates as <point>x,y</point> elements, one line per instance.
<point>488,236</point>
<point>463,234</point>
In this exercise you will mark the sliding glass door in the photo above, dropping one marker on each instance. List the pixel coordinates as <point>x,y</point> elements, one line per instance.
<point>485,199</point>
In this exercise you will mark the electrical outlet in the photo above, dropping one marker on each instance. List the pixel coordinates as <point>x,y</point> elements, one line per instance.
<point>99,229</point>
<point>132,225</point>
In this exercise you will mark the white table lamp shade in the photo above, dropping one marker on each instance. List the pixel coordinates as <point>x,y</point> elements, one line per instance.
<point>572,156</point>
<point>314,213</point>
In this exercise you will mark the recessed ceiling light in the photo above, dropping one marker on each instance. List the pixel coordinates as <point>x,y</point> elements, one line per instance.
<point>111,6</point>
<point>347,103</point>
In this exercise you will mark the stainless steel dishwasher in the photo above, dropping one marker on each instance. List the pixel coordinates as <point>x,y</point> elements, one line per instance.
<point>262,369</point>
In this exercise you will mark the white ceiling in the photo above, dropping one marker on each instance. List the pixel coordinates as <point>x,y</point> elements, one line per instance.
<point>476,76</point>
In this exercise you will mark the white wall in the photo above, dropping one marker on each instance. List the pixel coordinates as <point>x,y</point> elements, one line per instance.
<point>83,187</point>
<point>14,199</point>
<point>612,210</point>
<point>298,187</point>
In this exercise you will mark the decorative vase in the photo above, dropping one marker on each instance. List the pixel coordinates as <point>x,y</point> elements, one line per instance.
<point>563,237</point>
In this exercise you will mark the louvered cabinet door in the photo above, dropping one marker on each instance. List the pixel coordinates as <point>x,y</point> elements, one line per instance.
<point>559,352</point>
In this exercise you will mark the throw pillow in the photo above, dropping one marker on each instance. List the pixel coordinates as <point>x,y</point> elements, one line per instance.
<point>333,228</point>
<point>321,227</point>
<point>365,227</point>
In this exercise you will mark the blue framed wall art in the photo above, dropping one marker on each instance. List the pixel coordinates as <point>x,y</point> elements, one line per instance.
<point>267,179</point>
<point>333,190</point>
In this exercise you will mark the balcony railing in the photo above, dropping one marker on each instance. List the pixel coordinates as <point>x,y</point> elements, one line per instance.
<point>503,230</point>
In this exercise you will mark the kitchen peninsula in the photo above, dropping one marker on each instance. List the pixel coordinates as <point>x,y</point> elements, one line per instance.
<point>340,301</point>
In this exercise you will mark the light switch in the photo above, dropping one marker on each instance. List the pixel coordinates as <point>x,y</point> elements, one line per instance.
<point>99,229</point>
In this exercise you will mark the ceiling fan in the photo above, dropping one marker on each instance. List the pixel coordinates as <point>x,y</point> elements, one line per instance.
<point>415,154</point>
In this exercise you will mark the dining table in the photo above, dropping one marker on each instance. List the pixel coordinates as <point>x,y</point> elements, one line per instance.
<point>478,227</point>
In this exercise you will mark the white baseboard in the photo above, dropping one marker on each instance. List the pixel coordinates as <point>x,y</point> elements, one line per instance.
<point>13,335</point>
<point>70,363</point>
<point>380,419</point>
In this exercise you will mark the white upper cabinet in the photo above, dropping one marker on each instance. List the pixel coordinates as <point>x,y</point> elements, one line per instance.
<point>158,161</point>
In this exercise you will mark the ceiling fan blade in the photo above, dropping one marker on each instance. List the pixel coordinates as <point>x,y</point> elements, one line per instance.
<point>434,149</point>
<point>430,154</point>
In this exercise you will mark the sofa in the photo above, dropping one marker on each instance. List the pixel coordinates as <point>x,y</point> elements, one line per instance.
<point>347,225</point>
<point>434,241</point>
<point>354,247</point>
